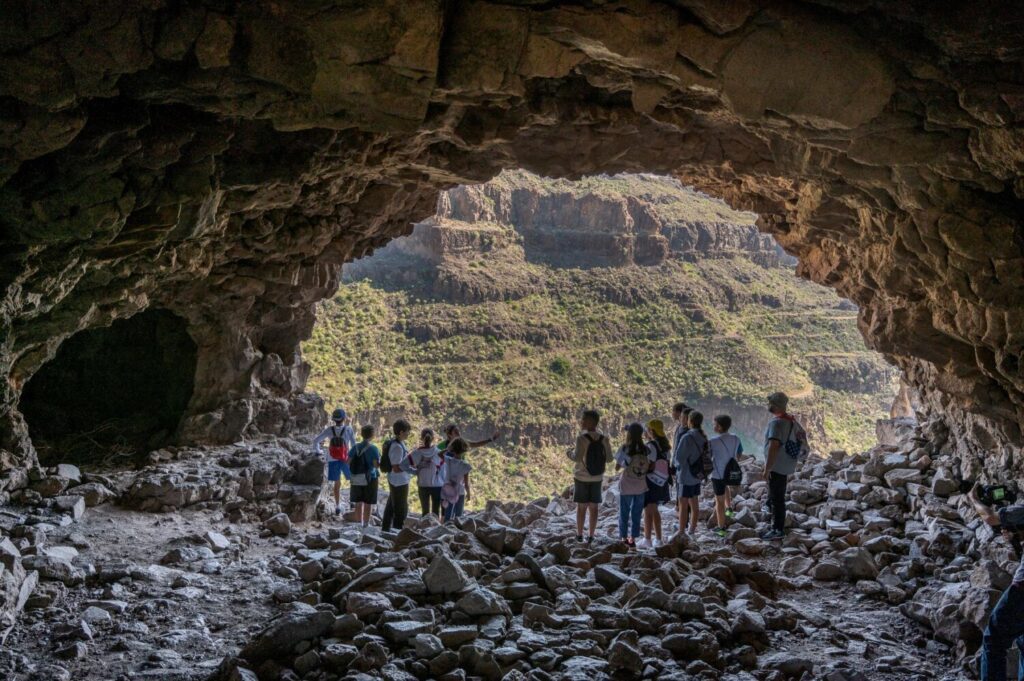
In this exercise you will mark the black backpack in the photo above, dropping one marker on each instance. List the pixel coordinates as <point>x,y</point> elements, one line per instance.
<point>384,463</point>
<point>702,467</point>
<point>733,474</point>
<point>595,460</point>
<point>357,459</point>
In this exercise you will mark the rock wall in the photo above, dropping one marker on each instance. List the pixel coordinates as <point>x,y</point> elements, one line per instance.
<point>222,161</point>
<point>582,227</point>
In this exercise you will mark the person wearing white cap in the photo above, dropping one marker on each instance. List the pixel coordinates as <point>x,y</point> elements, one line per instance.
<point>341,441</point>
<point>784,441</point>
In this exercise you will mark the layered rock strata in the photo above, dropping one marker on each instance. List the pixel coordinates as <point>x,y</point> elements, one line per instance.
<point>222,161</point>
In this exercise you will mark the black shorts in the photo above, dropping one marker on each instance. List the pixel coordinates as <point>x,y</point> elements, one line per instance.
<point>587,492</point>
<point>364,494</point>
<point>719,486</point>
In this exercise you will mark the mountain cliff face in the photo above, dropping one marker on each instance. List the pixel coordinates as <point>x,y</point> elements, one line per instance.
<point>569,224</point>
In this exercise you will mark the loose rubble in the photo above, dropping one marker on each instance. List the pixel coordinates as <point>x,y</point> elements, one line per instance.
<point>879,577</point>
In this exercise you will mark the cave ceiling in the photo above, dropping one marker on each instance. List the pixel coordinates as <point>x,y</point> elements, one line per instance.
<point>221,161</point>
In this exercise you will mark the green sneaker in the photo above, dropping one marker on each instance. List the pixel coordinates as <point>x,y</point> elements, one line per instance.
<point>729,513</point>
<point>721,533</point>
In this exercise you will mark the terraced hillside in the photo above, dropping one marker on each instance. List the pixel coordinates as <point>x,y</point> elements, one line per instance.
<point>525,300</point>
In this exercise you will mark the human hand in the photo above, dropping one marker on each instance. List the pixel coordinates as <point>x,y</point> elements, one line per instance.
<point>469,496</point>
<point>765,471</point>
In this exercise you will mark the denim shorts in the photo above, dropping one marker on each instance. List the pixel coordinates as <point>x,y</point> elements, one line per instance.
<point>335,469</point>
<point>689,491</point>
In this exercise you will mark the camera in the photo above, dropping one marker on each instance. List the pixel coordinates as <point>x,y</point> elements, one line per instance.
<point>991,495</point>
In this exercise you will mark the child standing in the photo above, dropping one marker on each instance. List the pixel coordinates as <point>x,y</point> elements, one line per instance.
<point>455,491</point>
<point>634,458</point>
<point>427,460</point>
<point>341,441</point>
<point>395,463</point>
<point>364,461</point>
<point>689,471</point>
<point>657,482</point>
<point>593,451</point>
<point>725,448</point>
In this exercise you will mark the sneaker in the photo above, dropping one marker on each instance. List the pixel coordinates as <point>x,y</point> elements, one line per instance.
<point>721,533</point>
<point>729,513</point>
<point>630,543</point>
<point>337,510</point>
<point>655,543</point>
<point>772,535</point>
<point>643,544</point>
<point>579,538</point>
<point>590,540</point>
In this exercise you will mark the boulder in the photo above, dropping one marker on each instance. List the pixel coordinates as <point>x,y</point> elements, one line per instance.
<point>480,602</point>
<point>285,632</point>
<point>279,524</point>
<point>445,576</point>
<point>858,564</point>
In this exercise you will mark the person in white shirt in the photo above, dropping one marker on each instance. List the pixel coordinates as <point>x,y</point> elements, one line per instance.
<point>336,467</point>
<point>427,461</point>
<point>724,448</point>
<point>396,463</point>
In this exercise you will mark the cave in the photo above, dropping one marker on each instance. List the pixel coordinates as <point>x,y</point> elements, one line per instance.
<point>224,161</point>
<point>117,390</point>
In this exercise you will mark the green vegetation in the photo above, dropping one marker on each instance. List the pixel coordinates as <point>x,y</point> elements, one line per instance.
<point>629,341</point>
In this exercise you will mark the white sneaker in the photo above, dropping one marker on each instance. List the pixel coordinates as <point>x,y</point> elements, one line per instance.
<point>643,544</point>
<point>655,543</point>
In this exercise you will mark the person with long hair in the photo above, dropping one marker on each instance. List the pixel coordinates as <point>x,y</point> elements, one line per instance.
<point>689,464</point>
<point>428,462</point>
<point>657,482</point>
<point>456,489</point>
<point>634,458</point>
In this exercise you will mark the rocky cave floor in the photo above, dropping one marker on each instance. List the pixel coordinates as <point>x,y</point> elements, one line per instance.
<point>233,572</point>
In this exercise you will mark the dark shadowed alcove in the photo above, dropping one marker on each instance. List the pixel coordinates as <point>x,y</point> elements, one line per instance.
<point>112,390</point>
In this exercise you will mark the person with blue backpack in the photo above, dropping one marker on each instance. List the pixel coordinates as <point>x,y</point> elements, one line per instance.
<point>591,454</point>
<point>363,462</point>
<point>785,444</point>
<point>340,441</point>
<point>689,459</point>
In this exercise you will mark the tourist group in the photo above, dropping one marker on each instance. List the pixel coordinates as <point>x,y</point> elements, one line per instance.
<point>652,468</point>
<point>440,469</point>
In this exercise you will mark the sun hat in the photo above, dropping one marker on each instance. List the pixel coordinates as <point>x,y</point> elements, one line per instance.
<point>656,426</point>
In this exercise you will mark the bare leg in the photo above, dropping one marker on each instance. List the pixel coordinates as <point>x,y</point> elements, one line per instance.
<point>694,512</point>
<point>720,503</point>
<point>650,511</point>
<point>728,497</point>
<point>681,510</point>
<point>337,491</point>
<point>593,519</point>
<point>581,512</point>
<point>656,517</point>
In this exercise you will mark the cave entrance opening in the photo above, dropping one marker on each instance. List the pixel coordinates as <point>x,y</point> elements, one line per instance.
<point>525,299</point>
<point>112,392</point>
